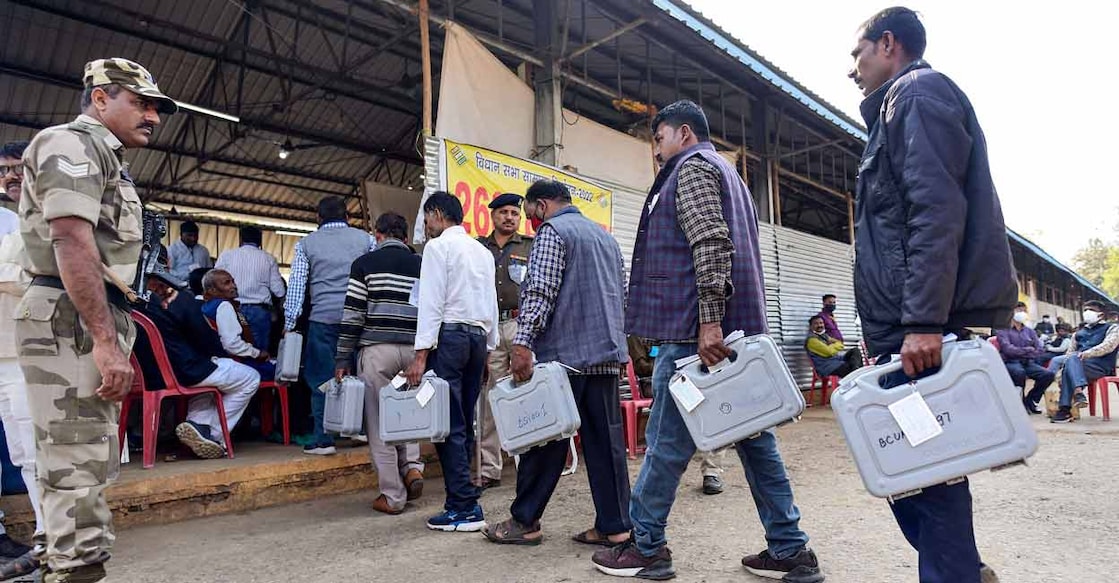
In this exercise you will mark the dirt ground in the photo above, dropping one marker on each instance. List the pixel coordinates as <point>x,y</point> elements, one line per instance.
<point>1054,521</point>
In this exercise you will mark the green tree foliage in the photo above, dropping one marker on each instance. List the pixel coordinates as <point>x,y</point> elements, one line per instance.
<point>1093,261</point>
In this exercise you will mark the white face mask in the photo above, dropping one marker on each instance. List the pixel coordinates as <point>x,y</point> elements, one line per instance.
<point>1020,317</point>
<point>1091,317</point>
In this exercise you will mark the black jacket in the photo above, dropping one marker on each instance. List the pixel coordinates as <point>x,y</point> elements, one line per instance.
<point>190,341</point>
<point>931,250</point>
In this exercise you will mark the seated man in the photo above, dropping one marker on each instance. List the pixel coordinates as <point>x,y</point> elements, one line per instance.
<point>1044,327</point>
<point>829,356</point>
<point>1092,357</point>
<point>196,357</point>
<point>1057,349</point>
<point>1020,349</point>
<point>221,309</point>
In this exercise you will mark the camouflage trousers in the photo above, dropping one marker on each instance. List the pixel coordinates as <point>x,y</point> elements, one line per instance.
<point>76,444</point>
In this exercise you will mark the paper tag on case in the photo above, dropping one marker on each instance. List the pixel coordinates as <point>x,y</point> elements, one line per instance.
<point>915,419</point>
<point>398,381</point>
<point>426,393</point>
<point>686,393</point>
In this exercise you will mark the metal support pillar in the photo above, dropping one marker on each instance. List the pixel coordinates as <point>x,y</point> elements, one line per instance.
<point>546,82</point>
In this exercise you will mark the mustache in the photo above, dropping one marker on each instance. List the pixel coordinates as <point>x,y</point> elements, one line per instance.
<point>146,125</point>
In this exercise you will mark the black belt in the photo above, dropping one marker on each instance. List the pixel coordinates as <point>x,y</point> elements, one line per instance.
<point>114,295</point>
<point>468,328</point>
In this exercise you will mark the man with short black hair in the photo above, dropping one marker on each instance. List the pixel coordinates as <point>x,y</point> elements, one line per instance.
<point>187,254</point>
<point>827,314</point>
<point>321,268</point>
<point>1044,327</point>
<point>572,313</point>
<point>696,275</point>
<point>17,557</point>
<point>1093,356</point>
<point>456,327</point>
<point>931,252</point>
<point>379,324</point>
<point>258,280</point>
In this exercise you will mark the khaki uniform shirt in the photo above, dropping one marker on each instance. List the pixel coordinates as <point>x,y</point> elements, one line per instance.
<point>77,170</point>
<point>512,266</point>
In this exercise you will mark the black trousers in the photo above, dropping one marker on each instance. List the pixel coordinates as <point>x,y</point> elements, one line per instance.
<point>604,453</point>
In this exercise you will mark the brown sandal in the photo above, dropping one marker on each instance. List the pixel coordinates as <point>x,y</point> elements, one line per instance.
<point>598,540</point>
<point>511,532</point>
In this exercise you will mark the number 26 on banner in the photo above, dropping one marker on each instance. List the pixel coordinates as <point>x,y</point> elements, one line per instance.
<point>476,212</point>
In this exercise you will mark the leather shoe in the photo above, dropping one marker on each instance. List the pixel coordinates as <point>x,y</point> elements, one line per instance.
<point>712,485</point>
<point>488,483</point>
<point>414,483</point>
<point>381,504</point>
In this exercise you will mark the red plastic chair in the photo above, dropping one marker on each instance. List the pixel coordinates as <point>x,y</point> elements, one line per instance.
<point>1098,392</point>
<point>630,407</point>
<point>266,388</point>
<point>153,399</point>
<point>827,385</point>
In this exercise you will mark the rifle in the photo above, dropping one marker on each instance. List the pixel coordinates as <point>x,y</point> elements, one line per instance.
<point>155,227</point>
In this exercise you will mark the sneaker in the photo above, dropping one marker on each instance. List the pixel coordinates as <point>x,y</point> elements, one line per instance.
<point>1031,407</point>
<point>1063,415</point>
<point>712,485</point>
<point>625,560</point>
<point>799,568</point>
<point>319,449</point>
<point>83,574</point>
<point>197,438</point>
<point>458,520</point>
<point>1079,399</point>
<point>11,548</point>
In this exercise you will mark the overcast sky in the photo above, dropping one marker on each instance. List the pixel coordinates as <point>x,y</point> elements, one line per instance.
<point>1041,80</point>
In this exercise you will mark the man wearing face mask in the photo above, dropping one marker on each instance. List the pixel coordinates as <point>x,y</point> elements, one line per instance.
<point>510,254</point>
<point>829,356</point>
<point>1021,349</point>
<point>827,314</point>
<point>1093,356</point>
<point>1044,327</point>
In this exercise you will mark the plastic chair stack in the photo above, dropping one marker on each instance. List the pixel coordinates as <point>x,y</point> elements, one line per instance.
<point>630,407</point>
<point>1098,392</point>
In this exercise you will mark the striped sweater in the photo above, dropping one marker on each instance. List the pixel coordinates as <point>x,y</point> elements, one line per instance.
<point>376,310</point>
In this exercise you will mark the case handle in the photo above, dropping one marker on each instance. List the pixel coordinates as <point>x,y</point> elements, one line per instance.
<point>703,368</point>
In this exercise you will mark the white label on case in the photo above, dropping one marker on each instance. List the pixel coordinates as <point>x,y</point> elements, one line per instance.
<point>398,381</point>
<point>686,393</point>
<point>426,393</point>
<point>915,419</point>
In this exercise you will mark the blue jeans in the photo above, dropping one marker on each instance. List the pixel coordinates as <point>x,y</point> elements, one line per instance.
<point>938,521</point>
<point>1077,374</point>
<point>459,360</point>
<point>260,322</point>
<point>669,448</point>
<point>318,367</point>
<point>1057,362</point>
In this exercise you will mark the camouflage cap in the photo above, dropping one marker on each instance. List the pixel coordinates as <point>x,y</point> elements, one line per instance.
<point>130,75</point>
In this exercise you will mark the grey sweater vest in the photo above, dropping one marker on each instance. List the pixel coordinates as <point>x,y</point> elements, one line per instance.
<point>586,326</point>
<point>330,253</point>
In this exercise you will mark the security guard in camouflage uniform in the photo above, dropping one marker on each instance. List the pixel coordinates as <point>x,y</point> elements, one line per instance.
<point>510,251</point>
<point>81,222</point>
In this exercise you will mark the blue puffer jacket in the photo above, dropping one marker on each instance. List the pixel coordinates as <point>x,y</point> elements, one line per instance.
<point>931,251</point>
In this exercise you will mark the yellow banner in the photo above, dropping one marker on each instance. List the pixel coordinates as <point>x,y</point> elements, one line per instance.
<point>476,176</point>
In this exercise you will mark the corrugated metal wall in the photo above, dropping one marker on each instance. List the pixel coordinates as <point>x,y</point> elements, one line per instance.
<point>627,216</point>
<point>799,269</point>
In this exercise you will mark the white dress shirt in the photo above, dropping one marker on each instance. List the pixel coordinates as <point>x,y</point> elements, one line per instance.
<point>456,287</point>
<point>229,330</point>
<point>255,272</point>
